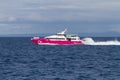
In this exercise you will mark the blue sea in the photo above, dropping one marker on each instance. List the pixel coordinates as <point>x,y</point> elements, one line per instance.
<point>20,59</point>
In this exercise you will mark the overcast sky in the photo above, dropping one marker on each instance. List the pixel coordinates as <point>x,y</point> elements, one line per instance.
<point>51,16</point>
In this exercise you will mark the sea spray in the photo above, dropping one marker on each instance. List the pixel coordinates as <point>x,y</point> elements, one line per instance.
<point>90,41</point>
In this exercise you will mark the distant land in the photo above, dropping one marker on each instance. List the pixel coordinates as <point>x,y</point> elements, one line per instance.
<point>104,34</point>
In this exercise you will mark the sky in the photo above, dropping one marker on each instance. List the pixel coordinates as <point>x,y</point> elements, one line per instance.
<point>51,16</point>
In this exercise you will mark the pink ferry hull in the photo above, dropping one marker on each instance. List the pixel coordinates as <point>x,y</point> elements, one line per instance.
<point>44,41</point>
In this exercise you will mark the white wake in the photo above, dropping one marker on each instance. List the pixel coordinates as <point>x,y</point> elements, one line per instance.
<point>90,41</point>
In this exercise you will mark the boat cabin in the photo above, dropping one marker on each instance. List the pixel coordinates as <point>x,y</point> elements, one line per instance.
<point>63,36</point>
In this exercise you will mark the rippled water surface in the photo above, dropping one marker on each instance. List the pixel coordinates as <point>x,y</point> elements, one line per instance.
<point>20,59</point>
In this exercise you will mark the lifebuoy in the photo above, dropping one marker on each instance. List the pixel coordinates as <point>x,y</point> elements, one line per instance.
<point>39,41</point>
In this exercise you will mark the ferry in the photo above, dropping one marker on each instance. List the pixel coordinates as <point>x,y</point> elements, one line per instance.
<point>59,39</point>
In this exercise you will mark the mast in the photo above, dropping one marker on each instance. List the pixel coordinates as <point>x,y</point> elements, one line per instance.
<point>63,32</point>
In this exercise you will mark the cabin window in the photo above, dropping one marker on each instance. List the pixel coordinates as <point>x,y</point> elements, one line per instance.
<point>73,38</point>
<point>57,38</point>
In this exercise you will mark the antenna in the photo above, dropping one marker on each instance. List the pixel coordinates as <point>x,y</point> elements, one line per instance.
<point>63,32</point>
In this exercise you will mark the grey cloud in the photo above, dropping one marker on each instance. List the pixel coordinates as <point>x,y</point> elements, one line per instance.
<point>96,12</point>
<point>15,29</point>
<point>60,9</point>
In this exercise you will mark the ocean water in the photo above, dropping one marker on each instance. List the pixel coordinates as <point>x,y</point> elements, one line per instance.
<point>20,59</point>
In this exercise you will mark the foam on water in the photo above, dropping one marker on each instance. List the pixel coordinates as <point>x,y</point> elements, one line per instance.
<point>90,41</point>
